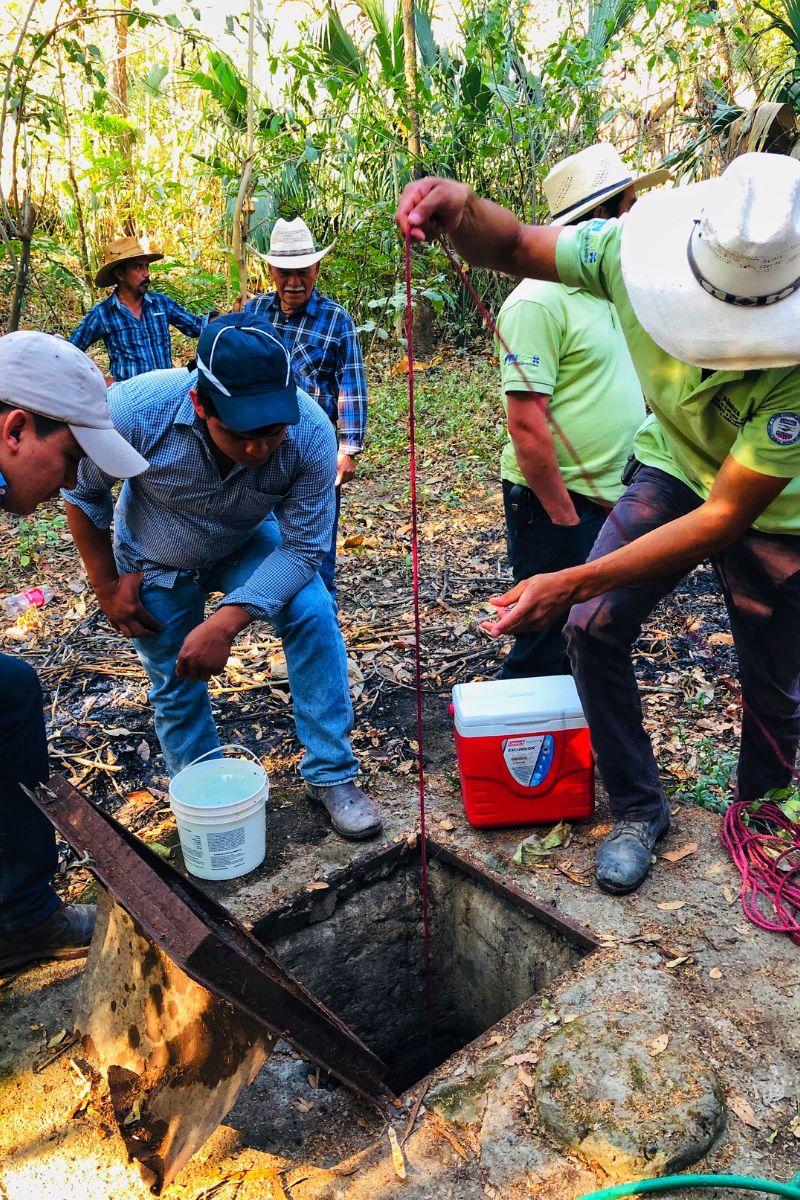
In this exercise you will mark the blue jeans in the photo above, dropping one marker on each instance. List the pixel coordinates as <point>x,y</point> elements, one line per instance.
<point>28,856</point>
<point>315,658</point>
<point>760,578</point>
<point>327,567</point>
<point>536,545</point>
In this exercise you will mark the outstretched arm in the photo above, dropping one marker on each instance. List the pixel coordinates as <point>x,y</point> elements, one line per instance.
<point>737,498</point>
<point>483,233</point>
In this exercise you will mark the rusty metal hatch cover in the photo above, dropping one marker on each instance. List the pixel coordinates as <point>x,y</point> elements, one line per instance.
<point>204,940</point>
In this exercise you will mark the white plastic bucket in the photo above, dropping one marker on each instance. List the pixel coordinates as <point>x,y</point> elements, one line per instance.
<point>220,807</point>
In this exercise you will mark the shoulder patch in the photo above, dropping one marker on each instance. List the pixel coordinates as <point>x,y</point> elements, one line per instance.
<point>784,428</point>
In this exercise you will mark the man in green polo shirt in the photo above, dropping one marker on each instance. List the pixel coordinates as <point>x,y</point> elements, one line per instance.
<point>563,359</point>
<point>706,282</point>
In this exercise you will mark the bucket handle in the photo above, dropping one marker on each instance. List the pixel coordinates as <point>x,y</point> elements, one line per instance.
<point>227,746</point>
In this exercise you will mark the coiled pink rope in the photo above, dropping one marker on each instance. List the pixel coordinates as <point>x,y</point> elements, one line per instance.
<point>765,846</point>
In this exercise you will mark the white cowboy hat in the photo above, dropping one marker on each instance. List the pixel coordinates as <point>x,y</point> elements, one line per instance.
<point>590,177</point>
<point>712,270</point>
<point>291,245</point>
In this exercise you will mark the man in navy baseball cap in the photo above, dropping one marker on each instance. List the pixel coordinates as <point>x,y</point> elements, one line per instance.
<point>245,371</point>
<point>238,500</point>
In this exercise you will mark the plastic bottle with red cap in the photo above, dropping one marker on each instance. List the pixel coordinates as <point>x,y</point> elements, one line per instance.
<point>34,597</point>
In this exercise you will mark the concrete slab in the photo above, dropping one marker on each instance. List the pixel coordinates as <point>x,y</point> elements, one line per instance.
<point>699,972</point>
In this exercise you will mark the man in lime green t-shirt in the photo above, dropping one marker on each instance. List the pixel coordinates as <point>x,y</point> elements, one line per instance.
<point>563,359</point>
<point>706,282</point>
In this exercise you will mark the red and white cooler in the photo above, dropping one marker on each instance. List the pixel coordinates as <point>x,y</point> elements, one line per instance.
<point>523,751</point>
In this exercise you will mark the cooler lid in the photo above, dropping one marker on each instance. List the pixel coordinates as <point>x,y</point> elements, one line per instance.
<point>509,706</point>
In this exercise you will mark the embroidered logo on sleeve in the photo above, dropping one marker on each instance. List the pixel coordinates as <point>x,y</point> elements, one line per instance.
<point>784,428</point>
<point>516,360</point>
<point>589,240</point>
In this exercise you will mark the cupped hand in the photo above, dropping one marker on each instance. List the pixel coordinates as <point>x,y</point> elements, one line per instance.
<point>345,468</point>
<point>120,602</point>
<point>205,651</point>
<point>429,207</point>
<point>532,604</point>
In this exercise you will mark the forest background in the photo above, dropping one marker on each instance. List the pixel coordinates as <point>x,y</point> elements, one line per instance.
<point>195,127</point>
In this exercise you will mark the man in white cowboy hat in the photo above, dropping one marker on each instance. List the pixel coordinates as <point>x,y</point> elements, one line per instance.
<point>133,322</point>
<point>53,413</point>
<point>706,282</point>
<point>565,357</point>
<point>322,341</point>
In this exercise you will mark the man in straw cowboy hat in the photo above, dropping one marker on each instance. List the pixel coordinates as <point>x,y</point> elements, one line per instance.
<point>706,282</point>
<point>53,413</point>
<point>133,322</point>
<point>565,355</point>
<point>322,340</point>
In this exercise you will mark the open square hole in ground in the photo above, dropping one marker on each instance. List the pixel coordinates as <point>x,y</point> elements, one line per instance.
<point>358,945</point>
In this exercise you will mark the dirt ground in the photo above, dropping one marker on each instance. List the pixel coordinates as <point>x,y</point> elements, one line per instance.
<point>679,950</point>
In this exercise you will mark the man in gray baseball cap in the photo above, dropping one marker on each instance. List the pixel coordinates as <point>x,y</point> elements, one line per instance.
<point>53,413</point>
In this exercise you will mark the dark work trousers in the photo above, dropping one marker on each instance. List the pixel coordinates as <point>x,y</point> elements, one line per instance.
<point>760,578</point>
<point>27,841</point>
<point>536,545</point>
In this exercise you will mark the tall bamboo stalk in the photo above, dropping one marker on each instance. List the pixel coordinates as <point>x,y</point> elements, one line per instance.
<point>241,210</point>
<point>410,72</point>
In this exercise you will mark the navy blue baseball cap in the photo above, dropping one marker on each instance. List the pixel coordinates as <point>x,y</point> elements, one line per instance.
<point>244,368</point>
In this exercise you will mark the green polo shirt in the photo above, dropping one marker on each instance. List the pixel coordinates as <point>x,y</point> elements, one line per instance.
<point>752,415</point>
<point>569,345</point>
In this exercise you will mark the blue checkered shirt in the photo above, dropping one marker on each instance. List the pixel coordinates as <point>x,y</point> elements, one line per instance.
<point>326,359</point>
<point>181,515</point>
<point>136,345</point>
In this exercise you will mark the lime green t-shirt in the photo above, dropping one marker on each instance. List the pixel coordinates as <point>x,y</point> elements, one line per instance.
<point>752,415</point>
<point>569,345</point>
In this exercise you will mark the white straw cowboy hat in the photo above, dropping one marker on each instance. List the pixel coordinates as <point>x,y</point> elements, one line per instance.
<point>117,253</point>
<point>590,177</point>
<point>712,270</point>
<point>291,245</point>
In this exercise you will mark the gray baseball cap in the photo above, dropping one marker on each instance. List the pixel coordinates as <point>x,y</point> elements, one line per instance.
<point>46,374</point>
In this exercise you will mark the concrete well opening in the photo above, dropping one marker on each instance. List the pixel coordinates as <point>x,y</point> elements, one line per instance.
<point>358,945</point>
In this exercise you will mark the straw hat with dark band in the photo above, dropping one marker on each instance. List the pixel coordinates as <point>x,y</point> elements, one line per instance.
<point>578,184</point>
<point>116,254</point>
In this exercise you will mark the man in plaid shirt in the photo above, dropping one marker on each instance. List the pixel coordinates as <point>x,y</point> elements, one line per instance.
<point>322,341</point>
<point>133,322</point>
<point>237,499</point>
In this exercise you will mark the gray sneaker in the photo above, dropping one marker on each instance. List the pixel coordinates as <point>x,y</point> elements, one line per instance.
<point>625,855</point>
<point>66,933</point>
<point>353,815</point>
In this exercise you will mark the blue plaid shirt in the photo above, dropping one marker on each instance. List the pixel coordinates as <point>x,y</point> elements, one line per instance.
<point>181,515</point>
<point>326,359</point>
<point>136,345</point>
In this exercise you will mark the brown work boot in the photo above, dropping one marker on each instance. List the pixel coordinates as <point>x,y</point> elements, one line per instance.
<point>66,933</point>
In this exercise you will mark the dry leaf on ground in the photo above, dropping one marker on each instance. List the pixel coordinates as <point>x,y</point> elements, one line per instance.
<point>744,1112</point>
<point>398,1159</point>
<point>674,856</point>
<point>658,1045</point>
